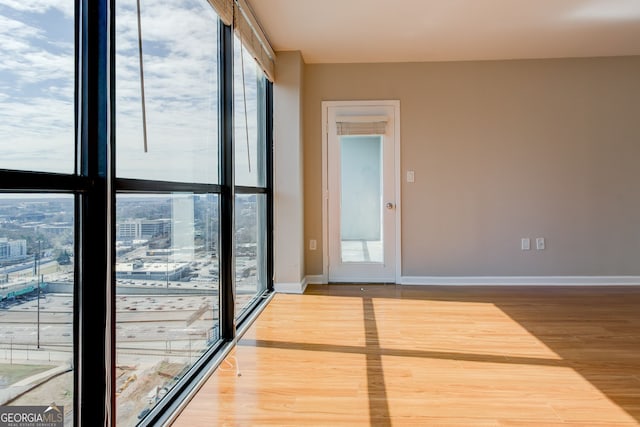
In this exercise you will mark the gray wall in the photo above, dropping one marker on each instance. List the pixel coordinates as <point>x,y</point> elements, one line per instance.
<point>288,179</point>
<point>501,150</point>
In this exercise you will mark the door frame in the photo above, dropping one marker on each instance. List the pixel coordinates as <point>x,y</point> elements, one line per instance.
<point>395,104</point>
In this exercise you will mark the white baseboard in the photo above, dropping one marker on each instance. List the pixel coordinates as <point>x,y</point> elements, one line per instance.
<point>318,279</point>
<point>291,287</point>
<point>522,280</point>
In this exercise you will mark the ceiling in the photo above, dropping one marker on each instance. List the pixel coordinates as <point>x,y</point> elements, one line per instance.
<point>343,31</point>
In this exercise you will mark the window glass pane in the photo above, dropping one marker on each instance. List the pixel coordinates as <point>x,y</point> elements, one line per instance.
<point>180,69</point>
<point>251,249</point>
<point>249,119</point>
<point>37,85</point>
<point>361,199</point>
<point>166,293</point>
<point>36,300</point>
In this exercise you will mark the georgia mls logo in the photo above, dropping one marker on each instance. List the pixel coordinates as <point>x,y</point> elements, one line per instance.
<point>55,410</point>
<point>32,416</point>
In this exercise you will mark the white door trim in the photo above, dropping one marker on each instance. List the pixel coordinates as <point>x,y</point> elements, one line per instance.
<point>325,181</point>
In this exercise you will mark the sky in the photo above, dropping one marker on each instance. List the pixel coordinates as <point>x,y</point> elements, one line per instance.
<point>181,91</point>
<point>37,85</point>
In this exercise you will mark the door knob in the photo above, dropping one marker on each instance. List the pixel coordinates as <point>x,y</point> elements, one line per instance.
<point>389,205</point>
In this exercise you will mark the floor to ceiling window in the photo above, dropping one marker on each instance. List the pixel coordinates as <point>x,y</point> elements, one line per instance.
<point>250,166</point>
<point>36,299</point>
<point>37,234</point>
<point>167,269</point>
<point>135,202</point>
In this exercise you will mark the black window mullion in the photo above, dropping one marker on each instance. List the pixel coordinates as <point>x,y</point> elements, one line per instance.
<point>95,401</point>
<point>227,259</point>
<point>146,186</point>
<point>268,108</point>
<point>240,189</point>
<point>27,181</point>
<point>265,163</point>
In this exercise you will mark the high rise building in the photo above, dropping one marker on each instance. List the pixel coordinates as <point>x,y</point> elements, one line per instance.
<point>12,249</point>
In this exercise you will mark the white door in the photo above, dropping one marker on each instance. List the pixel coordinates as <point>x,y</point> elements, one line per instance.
<point>362,200</point>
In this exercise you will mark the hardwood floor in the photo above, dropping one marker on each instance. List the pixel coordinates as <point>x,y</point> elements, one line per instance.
<point>347,355</point>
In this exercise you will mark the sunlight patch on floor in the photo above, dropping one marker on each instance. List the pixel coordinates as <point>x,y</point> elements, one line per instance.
<point>458,388</point>
<point>457,327</point>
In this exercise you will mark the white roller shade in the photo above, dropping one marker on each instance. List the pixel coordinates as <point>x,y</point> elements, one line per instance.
<point>361,125</point>
<point>248,30</point>
<point>238,14</point>
<point>224,9</point>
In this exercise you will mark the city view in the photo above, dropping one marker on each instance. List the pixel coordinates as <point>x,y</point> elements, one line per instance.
<point>167,283</point>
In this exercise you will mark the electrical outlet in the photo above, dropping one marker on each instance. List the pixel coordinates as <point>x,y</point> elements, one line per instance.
<point>525,244</point>
<point>540,245</point>
<point>313,245</point>
<point>411,176</point>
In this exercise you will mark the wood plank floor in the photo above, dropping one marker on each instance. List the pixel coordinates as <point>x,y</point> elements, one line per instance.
<point>349,355</point>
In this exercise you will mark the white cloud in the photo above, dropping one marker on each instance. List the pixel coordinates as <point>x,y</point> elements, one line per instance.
<point>16,29</point>
<point>180,89</point>
<point>37,135</point>
<point>41,6</point>
<point>37,83</point>
<point>180,55</point>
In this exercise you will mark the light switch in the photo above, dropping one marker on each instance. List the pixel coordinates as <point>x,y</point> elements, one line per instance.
<point>525,244</point>
<point>411,176</point>
<point>313,245</point>
<point>540,245</point>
